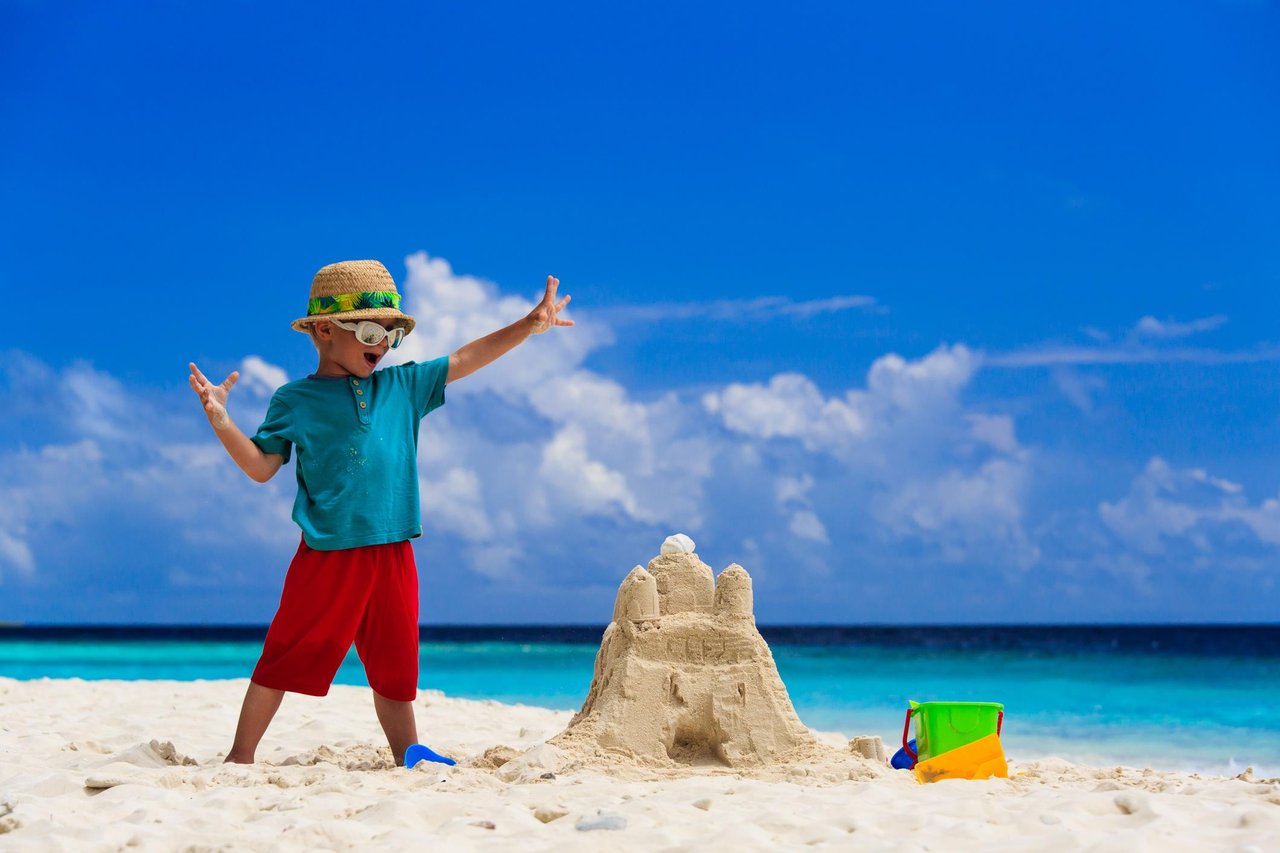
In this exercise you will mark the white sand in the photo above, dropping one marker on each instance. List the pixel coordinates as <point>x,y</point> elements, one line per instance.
<point>106,765</point>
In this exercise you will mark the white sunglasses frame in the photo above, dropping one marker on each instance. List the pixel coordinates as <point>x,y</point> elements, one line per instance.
<point>386,333</point>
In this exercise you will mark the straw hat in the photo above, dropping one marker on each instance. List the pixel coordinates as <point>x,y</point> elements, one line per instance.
<point>353,290</point>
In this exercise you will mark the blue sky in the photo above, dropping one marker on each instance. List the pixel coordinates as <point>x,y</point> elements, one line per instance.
<point>920,313</point>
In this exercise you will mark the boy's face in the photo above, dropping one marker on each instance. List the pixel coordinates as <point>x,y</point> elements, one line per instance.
<point>342,354</point>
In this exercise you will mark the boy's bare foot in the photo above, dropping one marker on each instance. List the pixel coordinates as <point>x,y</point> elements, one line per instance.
<point>260,705</point>
<point>397,724</point>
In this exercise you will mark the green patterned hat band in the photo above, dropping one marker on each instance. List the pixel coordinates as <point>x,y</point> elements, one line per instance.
<point>341,302</point>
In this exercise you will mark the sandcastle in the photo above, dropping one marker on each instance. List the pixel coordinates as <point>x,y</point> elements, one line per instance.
<point>683,676</point>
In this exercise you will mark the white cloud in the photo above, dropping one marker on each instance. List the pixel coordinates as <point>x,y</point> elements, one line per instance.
<point>206,498</point>
<point>1167,508</point>
<point>1052,355</point>
<point>994,430</point>
<point>39,484</point>
<point>1148,342</point>
<point>458,501</point>
<point>792,495</point>
<point>967,513</point>
<point>122,458</point>
<point>96,403</point>
<point>1263,520</point>
<point>928,383</point>
<point>1145,516</point>
<point>16,554</point>
<point>927,469</point>
<point>584,483</point>
<point>261,378</point>
<point>1150,327</point>
<point>900,396</point>
<point>758,309</point>
<point>588,399</point>
<point>790,406</point>
<point>806,525</point>
<point>1202,476</point>
<point>1078,387</point>
<point>788,489</point>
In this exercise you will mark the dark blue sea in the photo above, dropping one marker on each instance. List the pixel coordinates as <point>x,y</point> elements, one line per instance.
<point>1172,697</point>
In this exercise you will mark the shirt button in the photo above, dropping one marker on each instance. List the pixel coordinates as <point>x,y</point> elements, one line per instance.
<point>360,393</point>
<point>355,381</point>
<point>362,404</point>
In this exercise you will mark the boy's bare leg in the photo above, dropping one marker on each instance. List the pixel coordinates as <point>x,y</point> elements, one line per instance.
<point>398,724</point>
<point>260,705</point>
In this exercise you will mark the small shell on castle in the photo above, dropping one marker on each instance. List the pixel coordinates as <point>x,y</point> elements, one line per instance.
<point>677,544</point>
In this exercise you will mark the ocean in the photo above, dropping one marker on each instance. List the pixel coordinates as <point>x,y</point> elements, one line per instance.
<point>1199,698</point>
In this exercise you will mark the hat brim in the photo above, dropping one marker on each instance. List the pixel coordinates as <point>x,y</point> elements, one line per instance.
<point>301,324</point>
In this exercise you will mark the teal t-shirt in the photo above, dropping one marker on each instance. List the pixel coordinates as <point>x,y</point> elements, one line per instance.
<point>357,444</point>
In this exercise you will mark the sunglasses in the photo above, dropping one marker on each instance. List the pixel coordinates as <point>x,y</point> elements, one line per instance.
<point>371,334</point>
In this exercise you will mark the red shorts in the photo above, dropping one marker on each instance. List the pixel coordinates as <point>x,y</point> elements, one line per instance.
<point>330,598</point>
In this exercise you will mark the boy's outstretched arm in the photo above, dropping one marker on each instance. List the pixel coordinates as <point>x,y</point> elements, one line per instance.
<point>478,353</point>
<point>258,465</point>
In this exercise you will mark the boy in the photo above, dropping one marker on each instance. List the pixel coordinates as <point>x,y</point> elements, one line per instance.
<point>353,577</point>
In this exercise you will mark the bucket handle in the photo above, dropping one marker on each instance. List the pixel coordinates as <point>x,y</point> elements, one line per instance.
<point>906,734</point>
<point>999,723</point>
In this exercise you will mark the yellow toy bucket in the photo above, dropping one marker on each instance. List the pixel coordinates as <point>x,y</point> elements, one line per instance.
<point>981,759</point>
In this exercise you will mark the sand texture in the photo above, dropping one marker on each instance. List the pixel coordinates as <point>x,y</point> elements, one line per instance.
<point>683,677</point>
<point>115,765</point>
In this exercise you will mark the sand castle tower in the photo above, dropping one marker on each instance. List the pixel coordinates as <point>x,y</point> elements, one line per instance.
<point>683,675</point>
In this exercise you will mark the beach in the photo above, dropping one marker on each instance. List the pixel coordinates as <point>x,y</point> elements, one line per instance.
<point>107,765</point>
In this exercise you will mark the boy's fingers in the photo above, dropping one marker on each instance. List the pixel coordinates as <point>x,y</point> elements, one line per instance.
<point>232,379</point>
<point>195,371</point>
<point>552,284</point>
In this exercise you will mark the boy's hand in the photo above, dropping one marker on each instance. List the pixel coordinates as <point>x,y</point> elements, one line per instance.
<point>544,316</point>
<point>213,396</point>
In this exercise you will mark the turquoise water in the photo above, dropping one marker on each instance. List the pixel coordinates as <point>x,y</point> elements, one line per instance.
<point>1169,711</point>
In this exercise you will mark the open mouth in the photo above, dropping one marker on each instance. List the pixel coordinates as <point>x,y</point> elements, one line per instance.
<point>370,359</point>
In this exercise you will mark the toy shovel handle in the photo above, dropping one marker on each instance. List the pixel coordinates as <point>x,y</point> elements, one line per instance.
<point>906,734</point>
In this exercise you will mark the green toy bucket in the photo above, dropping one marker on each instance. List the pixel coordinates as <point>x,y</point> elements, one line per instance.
<point>944,726</point>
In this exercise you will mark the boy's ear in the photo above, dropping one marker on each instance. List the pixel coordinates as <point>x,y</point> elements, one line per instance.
<point>322,330</point>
